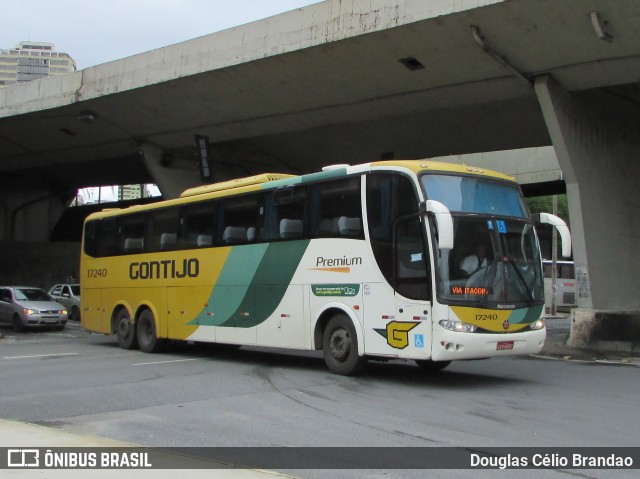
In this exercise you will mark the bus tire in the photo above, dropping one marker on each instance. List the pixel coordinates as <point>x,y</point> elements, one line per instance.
<point>125,330</point>
<point>340,347</point>
<point>146,331</point>
<point>430,365</point>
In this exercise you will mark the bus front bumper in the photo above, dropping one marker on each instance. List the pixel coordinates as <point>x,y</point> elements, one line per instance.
<point>451,345</point>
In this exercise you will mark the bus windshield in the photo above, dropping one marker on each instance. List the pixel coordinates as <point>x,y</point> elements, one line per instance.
<point>496,258</point>
<point>475,195</point>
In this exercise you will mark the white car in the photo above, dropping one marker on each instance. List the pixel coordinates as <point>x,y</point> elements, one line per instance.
<point>68,295</point>
<point>24,306</point>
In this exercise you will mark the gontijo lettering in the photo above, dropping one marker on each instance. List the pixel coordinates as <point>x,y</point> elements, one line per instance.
<point>169,268</point>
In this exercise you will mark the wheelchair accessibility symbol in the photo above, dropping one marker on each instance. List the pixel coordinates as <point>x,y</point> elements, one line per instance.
<point>418,340</point>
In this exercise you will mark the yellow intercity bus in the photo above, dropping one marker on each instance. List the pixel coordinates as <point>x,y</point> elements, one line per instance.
<point>367,261</point>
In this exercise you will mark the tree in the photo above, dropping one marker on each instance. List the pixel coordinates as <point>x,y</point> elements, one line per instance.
<point>544,204</point>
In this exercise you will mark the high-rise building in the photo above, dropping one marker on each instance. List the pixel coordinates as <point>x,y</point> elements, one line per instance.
<point>32,61</point>
<point>132,192</point>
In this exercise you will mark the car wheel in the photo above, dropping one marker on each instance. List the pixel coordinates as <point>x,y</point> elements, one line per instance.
<point>125,330</point>
<point>17,324</point>
<point>75,313</point>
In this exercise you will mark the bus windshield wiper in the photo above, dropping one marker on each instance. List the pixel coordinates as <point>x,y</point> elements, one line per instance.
<point>522,279</point>
<point>488,279</point>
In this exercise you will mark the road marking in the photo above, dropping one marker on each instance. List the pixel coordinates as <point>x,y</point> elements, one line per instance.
<point>41,356</point>
<point>164,362</point>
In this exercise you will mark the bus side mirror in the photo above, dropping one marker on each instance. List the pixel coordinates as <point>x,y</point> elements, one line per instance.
<point>561,226</point>
<point>444,222</point>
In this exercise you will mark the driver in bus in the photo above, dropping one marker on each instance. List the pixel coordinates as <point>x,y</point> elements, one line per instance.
<point>475,262</point>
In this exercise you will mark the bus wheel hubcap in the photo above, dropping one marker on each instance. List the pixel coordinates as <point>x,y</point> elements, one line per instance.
<point>340,344</point>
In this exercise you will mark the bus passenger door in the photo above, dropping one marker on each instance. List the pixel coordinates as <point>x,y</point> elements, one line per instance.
<point>412,289</point>
<point>400,312</point>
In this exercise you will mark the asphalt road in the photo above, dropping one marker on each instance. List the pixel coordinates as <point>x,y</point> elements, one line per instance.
<point>193,397</point>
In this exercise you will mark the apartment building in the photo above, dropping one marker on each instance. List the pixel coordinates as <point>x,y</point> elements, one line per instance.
<point>32,61</point>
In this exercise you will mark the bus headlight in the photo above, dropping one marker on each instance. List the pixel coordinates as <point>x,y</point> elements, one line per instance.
<point>537,324</point>
<point>458,326</point>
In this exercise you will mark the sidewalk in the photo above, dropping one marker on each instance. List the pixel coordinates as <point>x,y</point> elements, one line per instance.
<point>14,434</point>
<point>604,352</point>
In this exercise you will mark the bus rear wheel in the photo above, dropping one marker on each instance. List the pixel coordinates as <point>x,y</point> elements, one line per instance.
<point>125,330</point>
<point>147,335</point>
<point>430,365</point>
<point>340,347</point>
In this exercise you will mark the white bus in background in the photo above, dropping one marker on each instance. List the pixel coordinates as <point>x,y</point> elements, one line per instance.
<point>565,290</point>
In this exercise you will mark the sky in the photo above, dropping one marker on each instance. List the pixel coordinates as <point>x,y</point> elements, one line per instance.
<point>100,31</point>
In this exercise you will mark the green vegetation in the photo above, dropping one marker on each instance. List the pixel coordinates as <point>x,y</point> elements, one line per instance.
<point>544,204</point>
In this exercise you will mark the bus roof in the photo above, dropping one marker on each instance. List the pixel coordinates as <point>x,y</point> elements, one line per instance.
<point>275,180</point>
<point>237,183</point>
<point>442,167</point>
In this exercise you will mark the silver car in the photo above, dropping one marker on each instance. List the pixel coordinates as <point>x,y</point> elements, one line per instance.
<point>24,306</point>
<point>68,295</point>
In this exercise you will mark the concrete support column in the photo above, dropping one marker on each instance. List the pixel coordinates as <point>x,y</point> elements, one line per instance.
<point>172,175</point>
<point>28,213</point>
<point>596,137</point>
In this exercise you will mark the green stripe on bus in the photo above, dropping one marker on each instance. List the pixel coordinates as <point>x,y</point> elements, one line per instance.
<point>269,284</point>
<point>252,283</point>
<point>526,315</point>
<point>232,284</point>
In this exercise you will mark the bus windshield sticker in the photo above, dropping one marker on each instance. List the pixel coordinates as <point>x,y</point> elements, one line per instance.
<point>502,227</point>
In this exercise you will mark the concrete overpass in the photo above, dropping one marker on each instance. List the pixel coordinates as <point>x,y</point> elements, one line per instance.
<point>351,81</point>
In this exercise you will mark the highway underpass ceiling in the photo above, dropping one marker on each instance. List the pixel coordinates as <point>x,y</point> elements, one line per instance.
<point>349,101</point>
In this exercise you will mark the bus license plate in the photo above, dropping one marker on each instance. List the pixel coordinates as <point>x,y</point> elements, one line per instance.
<point>502,345</point>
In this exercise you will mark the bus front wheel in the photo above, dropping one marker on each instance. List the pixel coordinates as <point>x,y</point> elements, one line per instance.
<point>340,347</point>
<point>147,335</point>
<point>125,330</point>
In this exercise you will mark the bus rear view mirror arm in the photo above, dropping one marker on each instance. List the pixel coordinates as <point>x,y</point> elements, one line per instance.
<point>444,222</point>
<point>562,228</point>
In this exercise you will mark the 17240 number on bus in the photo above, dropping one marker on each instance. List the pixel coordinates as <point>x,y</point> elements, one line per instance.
<point>97,273</point>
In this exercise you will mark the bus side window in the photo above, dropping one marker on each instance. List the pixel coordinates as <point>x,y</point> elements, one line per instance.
<point>283,214</point>
<point>335,209</point>
<point>131,230</point>
<point>236,216</point>
<point>391,196</point>
<point>196,225</point>
<point>163,229</point>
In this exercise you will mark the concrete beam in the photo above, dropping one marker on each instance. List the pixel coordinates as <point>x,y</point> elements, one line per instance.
<point>597,149</point>
<point>526,165</point>
<point>172,175</point>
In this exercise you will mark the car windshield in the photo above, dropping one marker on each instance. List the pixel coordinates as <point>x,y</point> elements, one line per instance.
<point>31,294</point>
